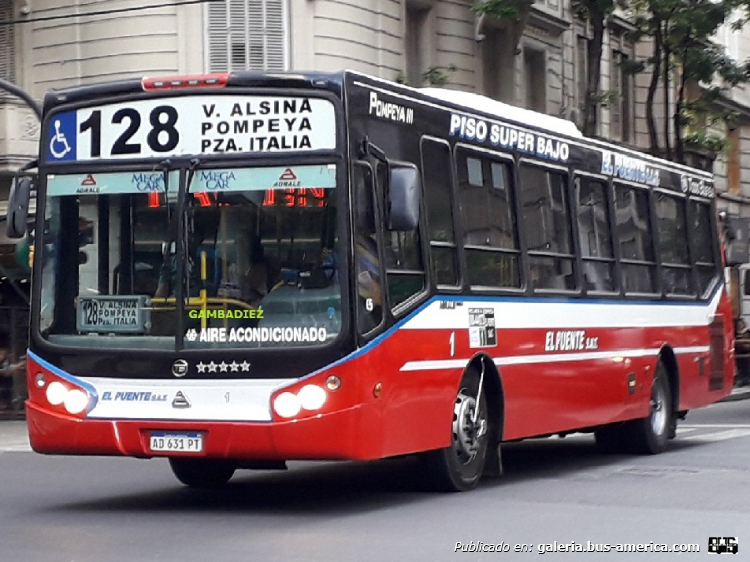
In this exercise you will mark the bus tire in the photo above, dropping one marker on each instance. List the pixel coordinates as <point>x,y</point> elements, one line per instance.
<point>649,435</point>
<point>202,473</point>
<point>459,467</point>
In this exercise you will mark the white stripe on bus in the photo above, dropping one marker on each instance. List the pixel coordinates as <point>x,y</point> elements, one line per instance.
<point>430,365</point>
<point>522,313</point>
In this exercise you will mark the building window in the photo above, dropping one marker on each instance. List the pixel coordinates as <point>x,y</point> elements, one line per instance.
<point>535,75</point>
<point>621,109</point>
<point>492,68</point>
<point>247,35</point>
<point>7,44</point>
<point>415,43</point>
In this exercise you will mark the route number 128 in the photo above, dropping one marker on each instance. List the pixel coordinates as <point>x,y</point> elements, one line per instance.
<point>162,135</point>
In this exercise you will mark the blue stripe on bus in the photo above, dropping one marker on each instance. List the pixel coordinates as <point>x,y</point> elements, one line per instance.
<point>64,375</point>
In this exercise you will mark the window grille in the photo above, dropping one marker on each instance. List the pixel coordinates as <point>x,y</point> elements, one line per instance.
<point>7,44</point>
<point>247,35</point>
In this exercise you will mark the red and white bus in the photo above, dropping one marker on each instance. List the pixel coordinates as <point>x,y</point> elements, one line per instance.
<point>234,271</point>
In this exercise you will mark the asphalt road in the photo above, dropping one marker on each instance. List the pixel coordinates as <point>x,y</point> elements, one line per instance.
<point>555,492</point>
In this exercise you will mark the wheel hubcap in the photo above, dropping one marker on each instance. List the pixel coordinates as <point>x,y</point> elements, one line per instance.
<point>467,432</point>
<point>658,411</point>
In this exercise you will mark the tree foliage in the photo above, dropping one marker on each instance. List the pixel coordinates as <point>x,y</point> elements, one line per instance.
<point>507,10</point>
<point>686,66</point>
<point>694,72</point>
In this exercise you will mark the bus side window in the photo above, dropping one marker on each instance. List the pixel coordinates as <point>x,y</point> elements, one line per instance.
<point>437,178</point>
<point>369,289</point>
<point>594,236</point>
<point>677,275</point>
<point>486,192</point>
<point>546,222</point>
<point>703,246</point>
<point>403,259</point>
<point>633,236</point>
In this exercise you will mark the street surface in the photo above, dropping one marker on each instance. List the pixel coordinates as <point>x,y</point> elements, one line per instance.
<point>555,492</point>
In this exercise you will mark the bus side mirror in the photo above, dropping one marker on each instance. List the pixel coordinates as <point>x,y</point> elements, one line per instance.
<point>404,196</point>
<point>18,207</point>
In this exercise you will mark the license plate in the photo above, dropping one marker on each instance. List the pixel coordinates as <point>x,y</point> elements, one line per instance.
<point>176,442</point>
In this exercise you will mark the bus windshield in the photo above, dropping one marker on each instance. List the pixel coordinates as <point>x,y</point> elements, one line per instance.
<point>258,265</point>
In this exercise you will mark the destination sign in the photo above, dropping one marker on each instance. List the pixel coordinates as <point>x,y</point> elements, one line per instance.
<point>187,125</point>
<point>125,314</point>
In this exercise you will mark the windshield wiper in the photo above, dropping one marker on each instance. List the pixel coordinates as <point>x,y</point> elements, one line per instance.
<point>182,256</point>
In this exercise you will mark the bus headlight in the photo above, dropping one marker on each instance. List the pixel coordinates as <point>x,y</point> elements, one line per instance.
<point>311,397</point>
<point>56,393</point>
<point>76,401</point>
<point>287,405</point>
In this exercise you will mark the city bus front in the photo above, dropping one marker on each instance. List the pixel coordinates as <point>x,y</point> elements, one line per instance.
<point>191,273</point>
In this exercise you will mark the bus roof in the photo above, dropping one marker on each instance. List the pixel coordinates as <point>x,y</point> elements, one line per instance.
<point>492,109</point>
<point>505,111</point>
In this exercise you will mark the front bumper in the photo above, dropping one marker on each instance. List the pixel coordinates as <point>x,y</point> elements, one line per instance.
<point>331,436</point>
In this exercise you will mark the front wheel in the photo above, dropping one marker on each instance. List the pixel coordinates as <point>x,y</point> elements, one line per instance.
<point>459,467</point>
<point>202,473</point>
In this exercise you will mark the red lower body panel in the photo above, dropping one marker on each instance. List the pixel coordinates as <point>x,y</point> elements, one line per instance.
<point>331,436</point>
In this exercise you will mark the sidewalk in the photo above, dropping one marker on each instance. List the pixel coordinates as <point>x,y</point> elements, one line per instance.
<point>14,437</point>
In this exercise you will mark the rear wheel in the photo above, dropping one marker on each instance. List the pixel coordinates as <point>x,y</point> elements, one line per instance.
<point>459,467</point>
<point>646,435</point>
<point>202,473</point>
<point>649,435</point>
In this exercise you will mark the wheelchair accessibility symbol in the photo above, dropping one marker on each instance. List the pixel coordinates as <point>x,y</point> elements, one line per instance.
<point>58,145</point>
<point>62,137</point>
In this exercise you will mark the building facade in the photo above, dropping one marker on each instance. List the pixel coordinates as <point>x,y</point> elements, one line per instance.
<point>542,65</point>
<point>47,44</point>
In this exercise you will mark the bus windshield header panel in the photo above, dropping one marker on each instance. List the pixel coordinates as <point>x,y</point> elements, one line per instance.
<point>190,125</point>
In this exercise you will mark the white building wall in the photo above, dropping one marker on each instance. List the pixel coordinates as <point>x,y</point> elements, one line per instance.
<point>84,49</point>
<point>456,44</point>
<point>364,36</point>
